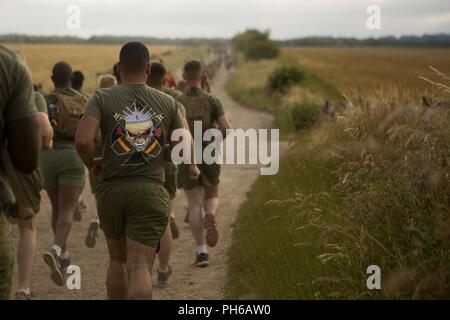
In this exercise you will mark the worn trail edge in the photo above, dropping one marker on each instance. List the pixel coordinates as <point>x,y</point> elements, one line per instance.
<point>187,281</point>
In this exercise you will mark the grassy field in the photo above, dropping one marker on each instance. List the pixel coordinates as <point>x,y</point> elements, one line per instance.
<point>369,187</point>
<point>350,69</point>
<point>248,85</point>
<point>93,60</point>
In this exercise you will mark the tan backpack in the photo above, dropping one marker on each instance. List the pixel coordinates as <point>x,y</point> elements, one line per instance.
<point>197,109</point>
<point>69,110</point>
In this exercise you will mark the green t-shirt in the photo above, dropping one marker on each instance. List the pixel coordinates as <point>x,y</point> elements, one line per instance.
<point>171,92</point>
<point>39,102</point>
<point>136,122</point>
<point>16,102</point>
<point>52,102</point>
<point>175,94</point>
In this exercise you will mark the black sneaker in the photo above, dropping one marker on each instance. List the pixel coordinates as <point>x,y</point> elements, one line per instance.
<point>65,262</point>
<point>164,276</point>
<point>202,260</point>
<point>174,228</point>
<point>53,262</point>
<point>91,234</point>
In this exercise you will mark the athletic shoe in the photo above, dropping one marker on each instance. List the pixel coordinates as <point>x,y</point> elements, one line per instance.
<point>174,228</point>
<point>164,276</point>
<point>91,234</point>
<point>65,262</point>
<point>21,295</point>
<point>53,262</point>
<point>210,225</point>
<point>202,260</point>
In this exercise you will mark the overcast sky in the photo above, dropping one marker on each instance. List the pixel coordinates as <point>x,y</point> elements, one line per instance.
<point>223,18</point>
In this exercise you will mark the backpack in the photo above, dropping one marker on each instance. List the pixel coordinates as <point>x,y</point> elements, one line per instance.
<point>197,109</point>
<point>69,110</point>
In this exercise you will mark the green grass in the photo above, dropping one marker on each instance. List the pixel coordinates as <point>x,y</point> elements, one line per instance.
<point>268,259</point>
<point>370,187</point>
<point>248,86</point>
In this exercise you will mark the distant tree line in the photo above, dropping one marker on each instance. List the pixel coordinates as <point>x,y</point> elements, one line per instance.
<point>21,38</point>
<point>434,40</point>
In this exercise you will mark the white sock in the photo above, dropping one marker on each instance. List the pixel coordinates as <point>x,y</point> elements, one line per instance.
<point>203,212</point>
<point>65,255</point>
<point>164,270</point>
<point>95,219</point>
<point>26,291</point>
<point>57,249</point>
<point>202,249</point>
<point>172,214</point>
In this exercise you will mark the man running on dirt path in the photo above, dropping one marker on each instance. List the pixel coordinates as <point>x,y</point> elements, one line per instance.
<point>77,85</point>
<point>19,144</point>
<point>105,81</point>
<point>27,188</point>
<point>136,121</point>
<point>202,192</point>
<point>62,168</point>
<point>156,80</point>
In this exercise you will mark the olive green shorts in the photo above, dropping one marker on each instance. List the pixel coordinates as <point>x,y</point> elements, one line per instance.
<point>135,208</point>
<point>61,167</point>
<point>30,186</point>
<point>170,172</point>
<point>209,176</point>
<point>6,258</point>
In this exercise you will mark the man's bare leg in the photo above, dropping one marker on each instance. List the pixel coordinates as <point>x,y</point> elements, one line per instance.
<point>53,195</point>
<point>26,251</point>
<point>165,248</point>
<point>211,204</point>
<point>139,258</point>
<point>194,197</point>
<point>116,277</point>
<point>68,202</point>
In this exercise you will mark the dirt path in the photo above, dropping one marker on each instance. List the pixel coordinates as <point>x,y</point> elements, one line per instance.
<point>187,281</point>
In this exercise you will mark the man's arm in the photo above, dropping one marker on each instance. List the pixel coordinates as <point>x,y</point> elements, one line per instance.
<point>46,131</point>
<point>224,123</point>
<point>24,143</point>
<point>85,139</point>
<point>22,122</point>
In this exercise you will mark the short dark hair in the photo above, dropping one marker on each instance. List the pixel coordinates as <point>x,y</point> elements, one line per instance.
<point>62,73</point>
<point>157,74</point>
<point>134,57</point>
<point>193,70</point>
<point>77,80</point>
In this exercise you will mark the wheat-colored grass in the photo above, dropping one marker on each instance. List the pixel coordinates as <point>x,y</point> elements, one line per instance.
<point>92,60</point>
<point>368,68</point>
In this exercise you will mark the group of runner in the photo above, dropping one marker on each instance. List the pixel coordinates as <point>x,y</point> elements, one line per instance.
<point>122,135</point>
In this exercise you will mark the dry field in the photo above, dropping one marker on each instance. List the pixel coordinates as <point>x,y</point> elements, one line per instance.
<point>367,68</point>
<point>92,60</point>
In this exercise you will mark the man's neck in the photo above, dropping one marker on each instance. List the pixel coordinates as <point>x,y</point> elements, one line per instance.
<point>193,84</point>
<point>133,78</point>
<point>61,86</point>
